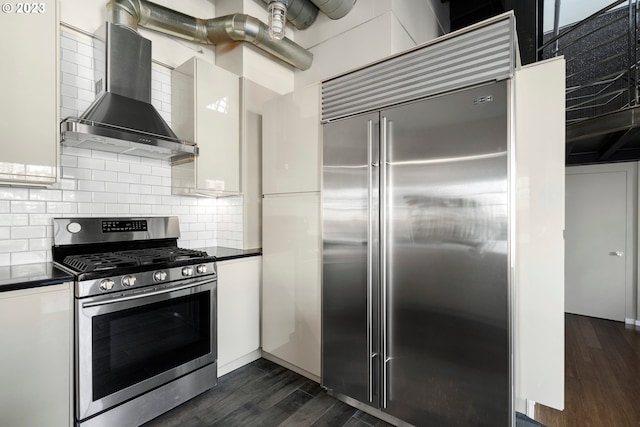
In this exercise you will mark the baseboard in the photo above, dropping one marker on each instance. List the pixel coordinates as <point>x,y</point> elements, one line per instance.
<point>297,370</point>
<point>369,410</point>
<point>257,354</point>
<point>531,409</point>
<point>239,362</point>
<point>632,322</point>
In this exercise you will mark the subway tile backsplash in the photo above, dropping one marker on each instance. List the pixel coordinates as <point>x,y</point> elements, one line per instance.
<point>96,183</point>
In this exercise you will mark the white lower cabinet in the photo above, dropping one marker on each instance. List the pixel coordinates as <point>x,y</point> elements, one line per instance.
<point>36,356</point>
<point>238,312</point>
<point>291,281</point>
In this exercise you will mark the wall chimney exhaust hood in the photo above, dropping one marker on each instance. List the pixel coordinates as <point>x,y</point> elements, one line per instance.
<point>122,119</point>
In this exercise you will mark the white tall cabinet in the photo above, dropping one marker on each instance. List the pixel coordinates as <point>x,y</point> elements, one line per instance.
<point>291,239</point>
<point>29,84</point>
<point>253,97</point>
<point>539,278</point>
<point>36,356</point>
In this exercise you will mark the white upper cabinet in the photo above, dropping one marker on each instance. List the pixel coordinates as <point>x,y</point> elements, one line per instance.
<point>291,136</point>
<point>29,84</point>
<point>205,106</point>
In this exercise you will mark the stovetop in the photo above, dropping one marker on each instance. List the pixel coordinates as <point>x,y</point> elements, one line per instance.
<point>151,257</point>
<point>109,255</point>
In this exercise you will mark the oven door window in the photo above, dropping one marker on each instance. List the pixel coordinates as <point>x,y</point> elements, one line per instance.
<point>135,344</point>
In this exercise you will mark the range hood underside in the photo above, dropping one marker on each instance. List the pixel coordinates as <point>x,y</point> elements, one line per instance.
<point>99,136</point>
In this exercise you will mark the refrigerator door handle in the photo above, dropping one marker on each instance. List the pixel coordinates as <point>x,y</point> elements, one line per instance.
<point>383,257</point>
<point>370,254</point>
<point>370,261</point>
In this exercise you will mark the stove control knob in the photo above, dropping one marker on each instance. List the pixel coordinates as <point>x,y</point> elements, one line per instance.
<point>159,276</point>
<point>128,281</point>
<point>201,269</point>
<point>106,284</point>
<point>187,271</point>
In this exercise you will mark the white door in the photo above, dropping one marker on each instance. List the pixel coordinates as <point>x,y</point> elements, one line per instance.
<point>596,230</point>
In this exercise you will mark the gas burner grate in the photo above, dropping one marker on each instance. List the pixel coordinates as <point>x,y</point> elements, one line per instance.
<point>98,262</point>
<point>167,254</point>
<point>137,257</point>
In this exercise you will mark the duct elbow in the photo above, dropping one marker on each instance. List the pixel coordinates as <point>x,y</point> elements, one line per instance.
<point>245,28</point>
<point>125,13</point>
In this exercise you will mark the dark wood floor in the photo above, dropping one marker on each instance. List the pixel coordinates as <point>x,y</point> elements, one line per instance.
<point>602,388</point>
<point>265,394</point>
<point>602,375</point>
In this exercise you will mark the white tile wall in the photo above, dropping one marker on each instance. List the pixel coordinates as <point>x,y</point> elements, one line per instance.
<point>96,183</point>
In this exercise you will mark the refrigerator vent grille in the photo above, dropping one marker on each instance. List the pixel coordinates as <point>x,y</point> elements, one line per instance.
<point>480,55</point>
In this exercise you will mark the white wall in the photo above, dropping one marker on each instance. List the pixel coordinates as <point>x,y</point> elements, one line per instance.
<point>373,30</point>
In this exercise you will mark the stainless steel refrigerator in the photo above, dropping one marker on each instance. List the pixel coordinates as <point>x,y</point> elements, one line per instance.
<point>415,275</point>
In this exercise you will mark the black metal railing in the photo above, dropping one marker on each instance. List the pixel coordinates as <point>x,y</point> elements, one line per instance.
<point>601,53</point>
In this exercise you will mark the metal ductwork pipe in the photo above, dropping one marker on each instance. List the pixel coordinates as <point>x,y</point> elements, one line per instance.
<point>334,9</point>
<point>300,13</point>
<point>230,28</point>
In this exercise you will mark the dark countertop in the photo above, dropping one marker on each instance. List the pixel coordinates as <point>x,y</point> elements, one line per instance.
<point>27,276</point>
<point>225,254</point>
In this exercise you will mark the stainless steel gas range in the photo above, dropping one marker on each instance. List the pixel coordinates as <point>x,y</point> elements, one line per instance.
<point>145,317</point>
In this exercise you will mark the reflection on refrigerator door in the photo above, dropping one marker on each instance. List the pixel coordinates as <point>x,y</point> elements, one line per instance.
<point>349,290</point>
<point>441,211</point>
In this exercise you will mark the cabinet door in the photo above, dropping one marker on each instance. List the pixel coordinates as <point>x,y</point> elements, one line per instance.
<point>205,106</point>
<point>291,280</point>
<point>291,146</point>
<point>29,109</point>
<point>217,129</point>
<point>35,361</point>
<point>238,311</point>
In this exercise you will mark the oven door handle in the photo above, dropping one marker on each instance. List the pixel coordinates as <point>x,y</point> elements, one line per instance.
<point>145,294</point>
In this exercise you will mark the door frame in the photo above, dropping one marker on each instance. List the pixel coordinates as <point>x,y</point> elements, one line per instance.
<point>631,260</point>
